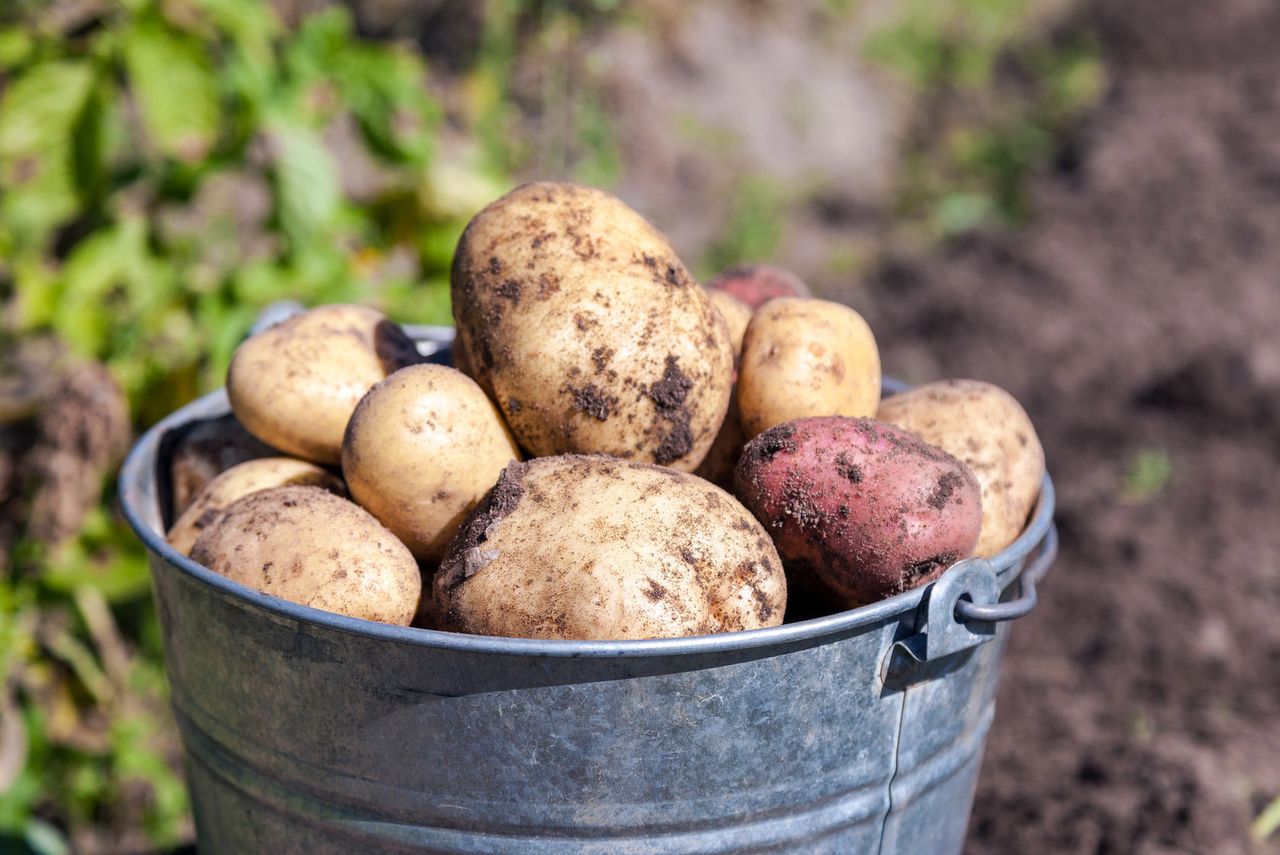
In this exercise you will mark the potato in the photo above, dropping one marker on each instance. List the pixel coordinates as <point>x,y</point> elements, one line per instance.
<point>308,546</point>
<point>598,548</point>
<point>985,427</point>
<point>421,449</point>
<point>806,358</point>
<point>860,506</point>
<point>736,314</point>
<point>757,284</point>
<point>717,467</point>
<point>205,449</point>
<point>578,319</point>
<point>295,384</point>
<point>239,481</point>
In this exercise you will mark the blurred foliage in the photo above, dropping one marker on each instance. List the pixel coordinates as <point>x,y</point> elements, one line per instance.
<point>999,99</point>
<point>1267,822</point>
<point>753,230</point>
<point>185,154</point>
<point>1146,474</point>
<point>169,168</point>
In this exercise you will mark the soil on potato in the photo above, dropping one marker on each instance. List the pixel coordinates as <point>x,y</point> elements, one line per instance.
<point>1140,704</point>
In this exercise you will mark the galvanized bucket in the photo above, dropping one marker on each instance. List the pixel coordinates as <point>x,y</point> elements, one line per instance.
<point>311,732</point>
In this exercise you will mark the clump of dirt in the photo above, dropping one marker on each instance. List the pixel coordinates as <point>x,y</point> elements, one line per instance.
<point>64,424</point>
<point>1139,703</point>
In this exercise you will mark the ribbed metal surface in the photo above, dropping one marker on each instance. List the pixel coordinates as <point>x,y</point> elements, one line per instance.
<point>311,732</point>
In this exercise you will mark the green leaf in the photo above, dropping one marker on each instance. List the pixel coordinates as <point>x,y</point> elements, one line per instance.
<point>306,183</point>
<point>1267,823</point>
<point>39,110</point>
<point>15,45</point>
<point>45,839</point>
<point>960,212</point>
<point>1146,474</point>
<point>177,93</point>
<point>105,557</point>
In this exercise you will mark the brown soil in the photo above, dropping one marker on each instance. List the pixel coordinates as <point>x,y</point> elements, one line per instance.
<point>1140,704</point>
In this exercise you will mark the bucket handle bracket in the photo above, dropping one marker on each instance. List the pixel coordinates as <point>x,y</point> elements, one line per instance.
<point>963,607</point>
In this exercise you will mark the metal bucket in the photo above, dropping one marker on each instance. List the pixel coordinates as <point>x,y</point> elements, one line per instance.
<point>310,732</point>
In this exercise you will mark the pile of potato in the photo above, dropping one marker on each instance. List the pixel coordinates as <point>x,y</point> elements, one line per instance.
<point>621,453</point>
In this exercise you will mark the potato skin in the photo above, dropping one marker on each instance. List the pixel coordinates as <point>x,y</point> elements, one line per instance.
<point>421,449</point>
<point>805,358</point>
<point>986,427</point>
<point>295,384</point>
<point>757,284</point>
<point>736,314</point>
<point>308,546</point>
<point>861,506</point>
<point>578,319</point>
<point>579,547</point>
<point>239,481</point>
<point>203,451</point>
<point>718,465</point>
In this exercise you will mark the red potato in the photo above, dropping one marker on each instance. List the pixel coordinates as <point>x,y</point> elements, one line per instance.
<point>757,284</point>
<point>859,506</point>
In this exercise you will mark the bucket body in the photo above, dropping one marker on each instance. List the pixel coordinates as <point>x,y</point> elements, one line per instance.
<point>311,732</point>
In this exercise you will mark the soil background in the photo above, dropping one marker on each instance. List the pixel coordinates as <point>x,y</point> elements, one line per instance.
<point>1140,704</point>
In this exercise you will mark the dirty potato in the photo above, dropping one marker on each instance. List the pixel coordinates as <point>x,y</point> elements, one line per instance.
<point>578,319</point>
<point>736,314</point>
<point>201,451</point>
<point>579,547</point>
<point>987,428</point>
<point>239,481</point>
<point>806,358</point>
<point>308,546</point>
<point>858,506</point>
<point>717,467</point>
<point>421,449</point>
<point>295,384</point>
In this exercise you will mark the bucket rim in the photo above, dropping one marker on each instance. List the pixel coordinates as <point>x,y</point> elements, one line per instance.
<point>137,484</point>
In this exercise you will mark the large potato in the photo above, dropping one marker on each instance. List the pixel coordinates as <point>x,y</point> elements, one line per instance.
<point>308,546</point>
<point>201,451</point>
<point>421,449</point>
<point>577,317</point>
<point>806,358</point>
<point>984,426</point>
<point>295,384</point>
<point>859,506</point>
<point>598,548</point>
<point>239,481</point>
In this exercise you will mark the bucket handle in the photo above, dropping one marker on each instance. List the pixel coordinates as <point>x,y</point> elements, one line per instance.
<point>964,606</point>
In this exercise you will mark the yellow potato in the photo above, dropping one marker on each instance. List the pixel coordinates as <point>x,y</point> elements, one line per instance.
<point>736,314</point>
<point>984,426</point>
<point>717,467</point>
<point>238,482</point>
<point>308,546</point>
<point>578,319</point>
<point>598,548</point>
<point>804,357</point>
<point>294,385</point>
<point>422,448</point>
<point>205,449</point>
